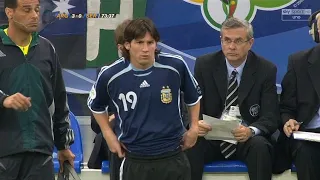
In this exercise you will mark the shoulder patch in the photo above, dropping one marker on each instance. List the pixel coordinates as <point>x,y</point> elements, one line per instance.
<point>92,93</point>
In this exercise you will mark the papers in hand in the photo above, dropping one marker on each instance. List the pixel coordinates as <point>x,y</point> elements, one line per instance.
<point>221,129</point>
<point>307,136</point>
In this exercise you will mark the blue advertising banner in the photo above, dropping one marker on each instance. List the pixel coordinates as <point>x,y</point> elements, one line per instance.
<point>192,27</point>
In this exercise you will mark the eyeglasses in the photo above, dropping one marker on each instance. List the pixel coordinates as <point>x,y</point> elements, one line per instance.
<point>237,42</point>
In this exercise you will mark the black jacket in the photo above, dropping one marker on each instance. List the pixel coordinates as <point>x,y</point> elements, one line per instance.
<point>36,75</point>
<point>300,100</point>
<point>258,100</point>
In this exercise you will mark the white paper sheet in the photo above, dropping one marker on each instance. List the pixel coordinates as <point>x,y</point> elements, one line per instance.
<point>221,129</point>
<point>307,136</point>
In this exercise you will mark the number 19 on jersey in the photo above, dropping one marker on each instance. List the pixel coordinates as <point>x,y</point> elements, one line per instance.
<point>130,97</point>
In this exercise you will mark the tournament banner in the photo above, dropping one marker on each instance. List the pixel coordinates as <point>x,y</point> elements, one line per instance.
<point>191,28</point>
<point>101,48</point>
<point>82,31</point>
<point>67,34</point>
<point>66,31</point>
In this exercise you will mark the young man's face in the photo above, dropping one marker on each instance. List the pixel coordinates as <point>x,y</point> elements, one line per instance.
<point>26,15</point>
<point>142,51</point>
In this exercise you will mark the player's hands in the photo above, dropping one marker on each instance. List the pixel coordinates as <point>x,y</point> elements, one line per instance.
<point>189,138</point>
<point>65,155</point>
<point>17,102</point>
<point>204,128</point>
<point>290,126</point>
<point>113,144</point>
<point>111,118</point>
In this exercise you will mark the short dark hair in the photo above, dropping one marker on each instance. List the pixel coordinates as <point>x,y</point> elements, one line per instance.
<point>10,3</point>
<point>118,32</point>
<point>138,28</point>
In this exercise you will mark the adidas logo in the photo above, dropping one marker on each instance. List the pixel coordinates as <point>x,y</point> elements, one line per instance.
<point>2,54</point>
<point>144,84</point>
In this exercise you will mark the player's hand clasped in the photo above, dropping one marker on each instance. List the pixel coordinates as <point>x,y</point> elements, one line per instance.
<point>18,102</point>
<point>113,144</point>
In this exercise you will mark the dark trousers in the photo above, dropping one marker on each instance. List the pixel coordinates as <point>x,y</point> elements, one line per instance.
<point>114,165</point>
<point>101,153</point>
<point>306,157</point>
<point>170,166</point>
<point>26,166</point>
<point>256,153</point>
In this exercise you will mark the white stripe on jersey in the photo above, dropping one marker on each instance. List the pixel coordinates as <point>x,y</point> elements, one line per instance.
<point>195,83</point>
<point>125,70</point>
<point>104,68</point>
<point>158,65</point>
<point>107,67</point>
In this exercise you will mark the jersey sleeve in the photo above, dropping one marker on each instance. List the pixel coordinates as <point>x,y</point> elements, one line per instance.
<point>99,99</point>
<point>189,85</point>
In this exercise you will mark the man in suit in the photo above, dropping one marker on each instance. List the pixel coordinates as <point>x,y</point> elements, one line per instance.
<point>236,77</point>
<point>299,108</point>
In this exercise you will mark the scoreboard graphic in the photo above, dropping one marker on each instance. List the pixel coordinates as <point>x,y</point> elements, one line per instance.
<point>86,15</point>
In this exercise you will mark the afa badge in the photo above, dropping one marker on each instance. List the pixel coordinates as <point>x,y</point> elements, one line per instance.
<point>166,95</point>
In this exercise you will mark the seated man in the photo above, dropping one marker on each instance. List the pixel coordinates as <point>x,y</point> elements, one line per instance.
<point>237,79</point>
<point>299,107</point>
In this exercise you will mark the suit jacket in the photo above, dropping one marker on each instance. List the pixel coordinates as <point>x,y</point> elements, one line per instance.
<point>301,87</point>
<point>258,102</point>
<point>299,100</point>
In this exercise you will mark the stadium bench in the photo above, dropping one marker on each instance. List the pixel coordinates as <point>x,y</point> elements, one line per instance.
<point>219,166</point>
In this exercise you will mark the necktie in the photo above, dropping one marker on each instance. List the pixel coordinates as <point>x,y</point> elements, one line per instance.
<point>232,93</point>
<point>227,149</point>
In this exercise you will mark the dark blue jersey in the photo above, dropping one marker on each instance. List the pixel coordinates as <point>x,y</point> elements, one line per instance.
<point>147,102</point>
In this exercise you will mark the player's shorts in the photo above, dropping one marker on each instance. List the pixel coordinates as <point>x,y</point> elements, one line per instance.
<point>169,166</point>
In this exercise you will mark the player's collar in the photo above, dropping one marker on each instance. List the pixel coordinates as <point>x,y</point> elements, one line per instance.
<point>137,69</point>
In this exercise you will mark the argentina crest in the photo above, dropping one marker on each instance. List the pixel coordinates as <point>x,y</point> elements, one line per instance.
<point>166,95</point>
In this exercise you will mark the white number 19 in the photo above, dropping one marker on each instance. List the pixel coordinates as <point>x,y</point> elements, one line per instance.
<point>130,97</point>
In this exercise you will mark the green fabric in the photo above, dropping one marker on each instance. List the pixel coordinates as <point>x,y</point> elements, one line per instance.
<point>108,51</point>
<point>27,80</point>
<point>7,41</point>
